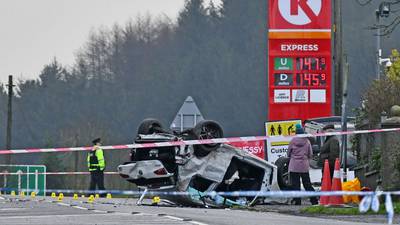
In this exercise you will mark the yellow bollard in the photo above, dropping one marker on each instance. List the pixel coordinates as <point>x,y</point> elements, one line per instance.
<point>12,193</point>
<point>60,197</point>
<point>75,197</point>
<point>109,196</point>
<point>53,195</point>
<point>33,194</point>
<point>91,199</point>
<point>155,200</point>
<point>97,196</point>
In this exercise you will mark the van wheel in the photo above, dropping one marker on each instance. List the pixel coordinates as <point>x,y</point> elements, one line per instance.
<point>283,173</point>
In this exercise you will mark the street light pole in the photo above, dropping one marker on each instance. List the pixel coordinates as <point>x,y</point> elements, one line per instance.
<point>382,11</point>
<point>378,45</point>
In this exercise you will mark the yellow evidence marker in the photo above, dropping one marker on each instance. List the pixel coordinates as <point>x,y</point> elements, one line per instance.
<point>60,197</point>
<point>97,196</point>
<point>75,197</point>
<point>91,199</point>
<point>53,194</point>
<point>12,193</point>
<point>109,196</point>
<point>155,200</point>
<point>33,194</point>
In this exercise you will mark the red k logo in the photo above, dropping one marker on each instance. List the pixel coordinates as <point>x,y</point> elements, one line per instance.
<point>300,12</point>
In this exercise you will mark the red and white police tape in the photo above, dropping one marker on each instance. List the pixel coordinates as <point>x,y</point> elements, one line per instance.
<point>188,142</point>
<point>55,173</point>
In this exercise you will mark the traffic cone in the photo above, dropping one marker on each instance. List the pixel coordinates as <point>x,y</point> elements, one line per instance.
<point>326,184</point>
<point>336,185</point>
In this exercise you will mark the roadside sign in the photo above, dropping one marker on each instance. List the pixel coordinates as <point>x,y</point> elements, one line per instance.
<point>279,146</point>
<point>256,148</point>
<point>24,182</point>
<point>284,128</point>
<point>299,59</point>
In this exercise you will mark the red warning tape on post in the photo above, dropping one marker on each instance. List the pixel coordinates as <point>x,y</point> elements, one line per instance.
<point>187,142</point>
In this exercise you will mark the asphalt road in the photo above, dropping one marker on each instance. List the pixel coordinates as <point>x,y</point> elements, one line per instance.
<point>48,211</point>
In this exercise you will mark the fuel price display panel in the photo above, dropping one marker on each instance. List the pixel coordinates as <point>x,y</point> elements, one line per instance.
<point>299,79</point>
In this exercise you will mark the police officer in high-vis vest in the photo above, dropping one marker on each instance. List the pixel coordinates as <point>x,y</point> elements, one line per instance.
<point>96,165</point>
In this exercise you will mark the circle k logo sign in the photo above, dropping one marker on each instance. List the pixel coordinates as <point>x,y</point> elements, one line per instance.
<point>300,12</point>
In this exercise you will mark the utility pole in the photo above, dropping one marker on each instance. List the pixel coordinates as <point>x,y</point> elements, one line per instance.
<point>344,119</point>
<point>9,117</point>
<point>337,57</point>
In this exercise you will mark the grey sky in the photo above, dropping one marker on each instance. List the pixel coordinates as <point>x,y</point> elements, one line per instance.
<point>33,32</point>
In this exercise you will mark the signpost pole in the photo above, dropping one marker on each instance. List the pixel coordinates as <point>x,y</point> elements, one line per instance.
<point>344,122</point>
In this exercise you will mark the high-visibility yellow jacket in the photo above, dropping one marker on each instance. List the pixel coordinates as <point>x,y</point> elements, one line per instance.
<point>95,160</point>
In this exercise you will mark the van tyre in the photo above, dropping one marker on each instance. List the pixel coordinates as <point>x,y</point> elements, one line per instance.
<point>283,173</point>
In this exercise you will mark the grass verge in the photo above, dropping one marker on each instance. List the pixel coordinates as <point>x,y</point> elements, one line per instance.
<point>345,210</point>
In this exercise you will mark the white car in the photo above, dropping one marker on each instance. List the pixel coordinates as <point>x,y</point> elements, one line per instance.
<point>197,169</point>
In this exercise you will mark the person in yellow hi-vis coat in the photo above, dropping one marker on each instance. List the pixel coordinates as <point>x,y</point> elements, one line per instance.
<point>96,165</point>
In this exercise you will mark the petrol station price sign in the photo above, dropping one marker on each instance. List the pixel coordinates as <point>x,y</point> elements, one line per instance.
<point>299,59</point>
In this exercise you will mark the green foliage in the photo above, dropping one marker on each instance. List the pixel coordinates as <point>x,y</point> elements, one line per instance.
<point>376,159</point>
<point>383,93</point>
<point>393,73</point>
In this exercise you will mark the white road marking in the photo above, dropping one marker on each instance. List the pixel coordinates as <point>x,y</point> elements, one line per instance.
<point>181,219</point>
<point>174,218</point>
<point>78,207</point>
<point>12,209</point>
<point>64,204</point>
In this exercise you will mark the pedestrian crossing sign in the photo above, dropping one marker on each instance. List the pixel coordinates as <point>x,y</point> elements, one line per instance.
<point>281,128</point>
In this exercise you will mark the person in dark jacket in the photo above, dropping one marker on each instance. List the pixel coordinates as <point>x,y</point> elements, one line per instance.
<point>330,150</point>
<point>300,153</point>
